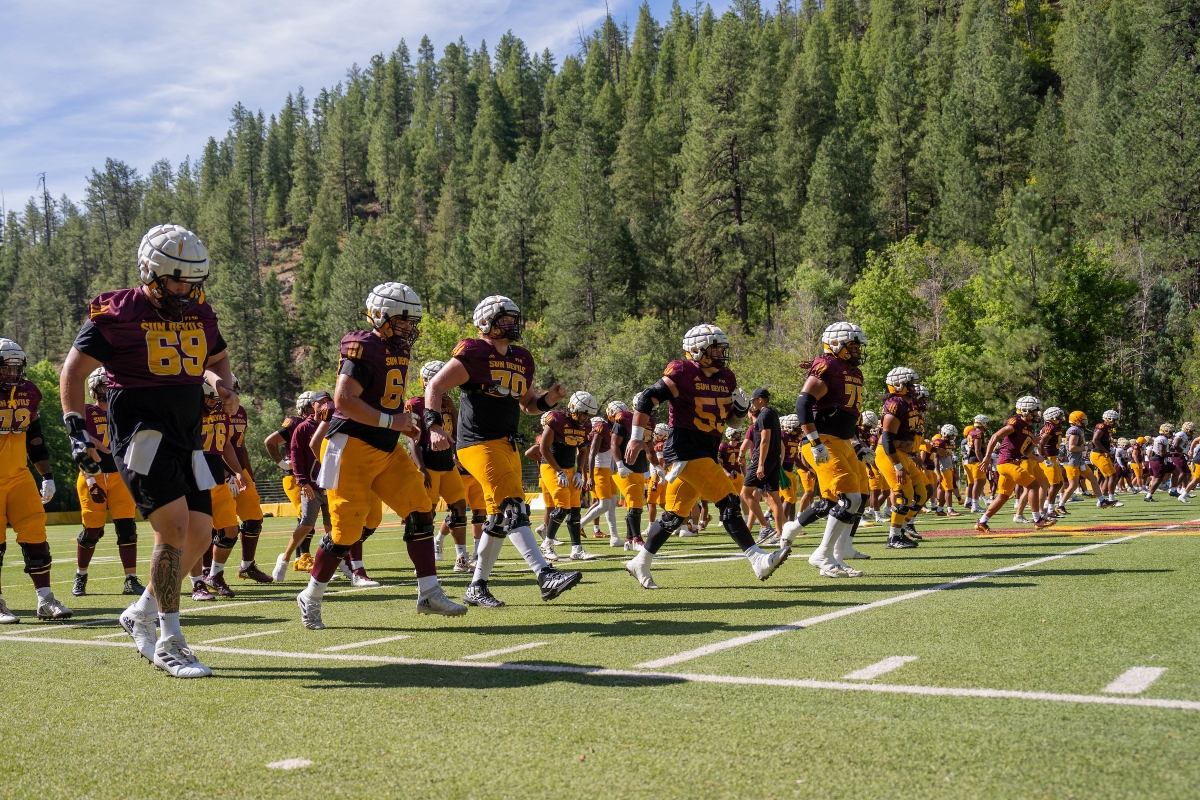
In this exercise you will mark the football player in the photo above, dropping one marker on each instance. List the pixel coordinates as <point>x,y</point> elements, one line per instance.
<point>1158,459</point>
<point>1137,457</point>
<point>604,490</point>
<point>703,395</point>
<point>158,342</point>
<point>1049,440</point>
<point>829,408</point>
<point>630,477</point>
<point>437,466</point>
<point>656,490</point>
<point>247,502</point>
<point>363,457</point>
<point>1179,447</point>
<point>947,481</point>
<point>534,454</point>
<point>21,503</point>
<point>790,427</point>
<point>101,494</point>
<point>893,455</point>
<point>564,443</point>
<point>227,475</point>
<point>1101,459</point>
<point>277,447</point>
<point>497,379</point>
<point>868,434</point>
<point>304,465</point>
<point>1014,445</point>
<point>1076,445</point>
<point>976,436</point>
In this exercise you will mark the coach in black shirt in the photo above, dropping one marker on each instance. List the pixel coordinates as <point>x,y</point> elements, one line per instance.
<point>762,473</point>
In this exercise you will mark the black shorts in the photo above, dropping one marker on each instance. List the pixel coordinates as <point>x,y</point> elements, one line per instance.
<point>170,478</point>
<point>769,482</point>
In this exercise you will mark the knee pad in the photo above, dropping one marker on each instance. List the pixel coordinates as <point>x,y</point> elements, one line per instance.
<point>457,519</point>
<point>573,516</point>
<point>126,531</point>
<point>89,536</point>
<point>418,526</point>
<point>670,522</point>
<point>338,551</point>
<point>843,510</point>
<point>478,517</point>
<point>366,534</point>
<point>226,542</point>
<point>252,527</point>
<point>216,537</point>
<point>37,558</point>
<point>515,514</point>
<point>494,526</point>
<point>558,516</point>
<point>636,513</point>
<point>730,508</point>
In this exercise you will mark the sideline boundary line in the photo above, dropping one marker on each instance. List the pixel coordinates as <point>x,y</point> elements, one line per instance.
<point>758,636</point>
<point>684,677</point>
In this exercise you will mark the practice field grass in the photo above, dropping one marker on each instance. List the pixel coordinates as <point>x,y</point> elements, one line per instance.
<point>998,685</point>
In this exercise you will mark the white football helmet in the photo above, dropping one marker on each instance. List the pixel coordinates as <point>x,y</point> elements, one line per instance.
<point>982,419</point>
<point>732,434</point>
<point>172,251</point>
<point>661,431</point>
<point>12,362</point>
<point>838,335</point>
<point>920,392</point>
<point>870,420</point>
<point>394,300</point>
<point>949,431</point>
<point>899,378</point>
<point>545,418</point>
<point>1110,416</point>
<point>740,405</point>
<point>97,383</point>
<point>491,308</point>
<point>597,420</point>
<point>1188,427</point>
<point>1053,414</point>
<point>1166,429</point>
<point>614,408</point>
<point>429,369</point>
<point>582,405</point>
<point>303,401</point>
<point>212,399</point>
<point>235,384</point>
<point>790,423</point>
<point>1028,403</point>
<point>697,341</point>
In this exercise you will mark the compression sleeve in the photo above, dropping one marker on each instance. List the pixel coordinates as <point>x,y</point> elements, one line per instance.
<point>35,442</point>
<point>806,409</point>
<point>659,391</point>
<point>889,444</point>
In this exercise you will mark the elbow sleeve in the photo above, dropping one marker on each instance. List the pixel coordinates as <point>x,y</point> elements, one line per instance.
<point>806,408</point>
<point>35,442</point>
<point>889,444</point>
<point>658,392</point>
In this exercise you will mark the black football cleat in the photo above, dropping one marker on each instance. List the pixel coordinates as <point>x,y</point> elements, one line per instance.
<point>477,594</point>
<point>79,589</point>
<point>553,583</point>
<point>133,586</point>
<point>900,543</point>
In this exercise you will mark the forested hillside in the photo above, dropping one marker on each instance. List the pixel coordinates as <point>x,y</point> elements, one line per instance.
<point>1006,198</point>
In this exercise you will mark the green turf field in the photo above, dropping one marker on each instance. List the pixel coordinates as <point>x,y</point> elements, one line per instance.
<point>622,692</point>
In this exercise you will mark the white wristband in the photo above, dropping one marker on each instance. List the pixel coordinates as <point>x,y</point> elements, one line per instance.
<point>812,436</point>
<point>638,433</point>
<point>385,420</point>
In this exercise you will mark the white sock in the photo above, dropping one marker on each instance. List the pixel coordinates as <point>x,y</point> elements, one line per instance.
<point>439,537</point>
<point>611,514</point>
<point>79,571</point>
<point>644,556</point>
<point>216,569</point>
<point>983,518</point>
<point>146,604</point>
<point>893,532</point>
<point>356,565</point>
<point>824,551</point>
<point>460,549</point>
<point>247,564</point>
<point>44,593</point>
<point>593,513</point>
<point>426,584</point>
<point>486,553</point>
<point>197,580</point>
<point>169,625</point>
<point>523,539</point>
<point>1037,516</point>
<point>841,545</point>
<point>315,589</point>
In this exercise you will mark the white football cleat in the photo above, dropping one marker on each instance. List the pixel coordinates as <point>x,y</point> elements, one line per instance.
<point>436,602</point>
<point>789,533</point>
<point>615,541</point>
<point>345,571</point>
<point>852,553</point>
<point>7,617</point>
<point>48,608</point>
<point>360,579</point>
<point>1022,519</point>
<point>548,550</point>
<point>141,628</point>
<point>687,531</point>
<point>310,612</point>
<point>579,554</point>
<point>282,563</point>
<point>173,656</point>
<point>765,564</point>
<point>832,570</point>
<point>639,568</point>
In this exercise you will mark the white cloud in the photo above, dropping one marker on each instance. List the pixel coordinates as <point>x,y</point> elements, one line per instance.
<point>138,80</point>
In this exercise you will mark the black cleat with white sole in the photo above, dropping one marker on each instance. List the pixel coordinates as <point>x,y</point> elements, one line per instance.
<point>477,594</point>
<point>553,583</point>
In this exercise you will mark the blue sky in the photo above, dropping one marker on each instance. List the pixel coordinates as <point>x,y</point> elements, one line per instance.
<point>139,81</point>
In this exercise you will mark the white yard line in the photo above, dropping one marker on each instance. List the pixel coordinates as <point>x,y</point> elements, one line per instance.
<point>367,643</point>
<point>503,651</point>
<point>112,635</point>
<point>879,668</point>
<point>758,636</point>
<point>240,636</point>
<point>686,677</point>
<point>1135,680</point>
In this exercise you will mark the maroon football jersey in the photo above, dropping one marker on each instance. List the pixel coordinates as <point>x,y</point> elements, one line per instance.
<point>569,435</point>
<point>495,384</point>
<point>288,427</point>
<point>96,420</point>
<point>381,369</point>
<point>976,437</point>
<point>899,407</point>
<point>728,453</point>
<point>238,423</point>
<point>790,446</point>
<point>1102,438</point>
<point>140,348</point>
<point>215,431</point>
<point>1048,439</point>
<point>305,465</point>
<point>601,437</point>
<point>1015,447</point>
<point>703,401</point>
<point>838,410</point>
<point>18,407</point>
<point>440,460</point>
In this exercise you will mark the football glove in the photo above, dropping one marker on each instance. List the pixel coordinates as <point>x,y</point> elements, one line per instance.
<point>623,470</point>
<point>285,465</point>
<point>577,480</point>
<point>96,491</point>
<point>563,480</point>
<point>820,453</point>
<point>232,483</point>
<point>661,473</point>
<point>866,454</point>
<point>47,490</point>
<point>80,442</point>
